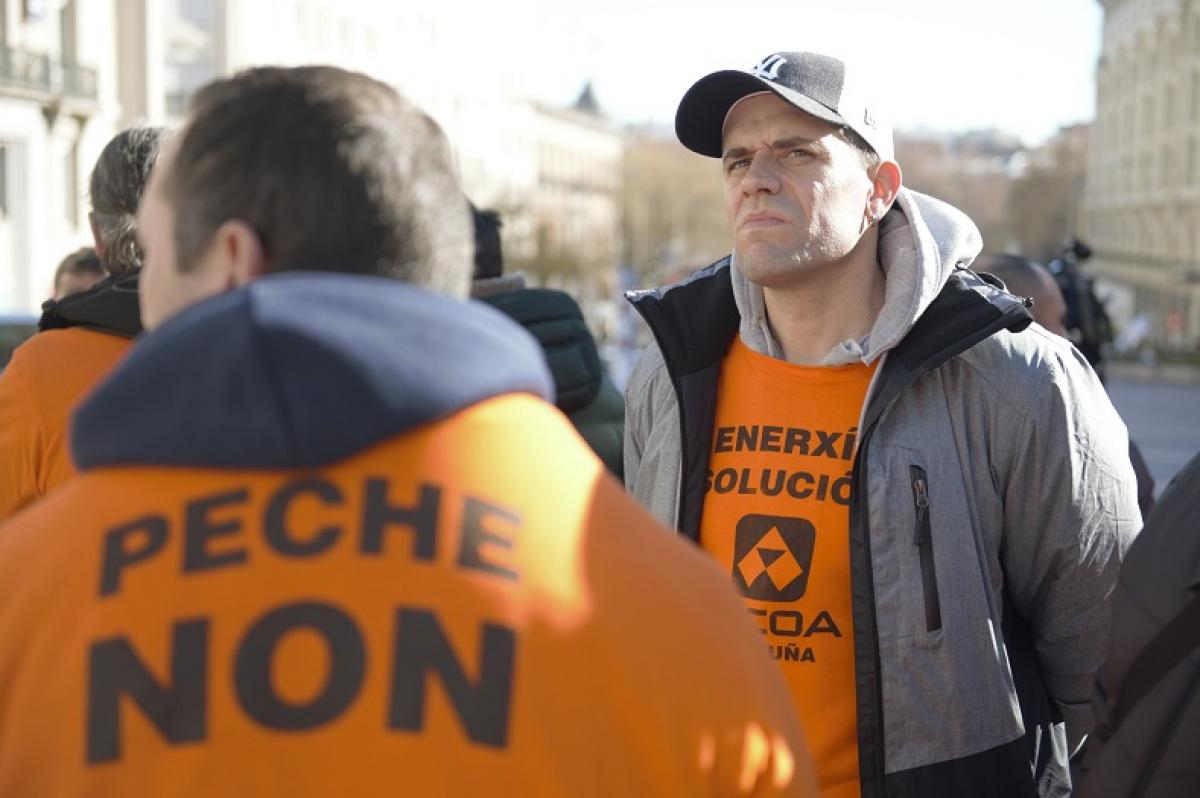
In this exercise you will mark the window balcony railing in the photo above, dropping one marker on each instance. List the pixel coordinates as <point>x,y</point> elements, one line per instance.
<point>39,73</point>
<point>79,81</point>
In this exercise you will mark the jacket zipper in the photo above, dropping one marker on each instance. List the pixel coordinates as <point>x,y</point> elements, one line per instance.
<point>923,539</point>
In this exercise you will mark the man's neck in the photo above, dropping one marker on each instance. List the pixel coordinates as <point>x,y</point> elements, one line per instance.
<point>840,303</point>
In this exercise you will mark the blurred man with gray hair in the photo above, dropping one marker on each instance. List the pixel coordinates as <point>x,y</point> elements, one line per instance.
<point>115,189</point>
<point>82,335</point>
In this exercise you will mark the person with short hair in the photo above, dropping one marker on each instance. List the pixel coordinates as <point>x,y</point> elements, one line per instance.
<point>1033,281</point>
<point>115,188</point>
<point>1026,278</point>
<point>81,335</point>
<point>922,503</point>
<point>77,272</point>
<point>330,537</point>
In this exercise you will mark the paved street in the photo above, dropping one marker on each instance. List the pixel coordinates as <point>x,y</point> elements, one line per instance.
<point>1164,420</point>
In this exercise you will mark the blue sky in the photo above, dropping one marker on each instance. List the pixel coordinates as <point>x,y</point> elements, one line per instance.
<point>1021,65</point>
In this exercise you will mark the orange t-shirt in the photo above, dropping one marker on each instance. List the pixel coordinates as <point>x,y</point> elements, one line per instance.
<point>776,517</point>
<point>46,379</point>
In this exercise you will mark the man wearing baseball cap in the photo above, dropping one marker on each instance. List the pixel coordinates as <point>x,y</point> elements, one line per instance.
<point>923,503</point>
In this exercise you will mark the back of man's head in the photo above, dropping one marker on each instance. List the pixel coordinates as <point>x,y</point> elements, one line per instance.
<point>77,272</point>
<point>332,170</point>
<point>115,188</point>
<point>1027,278</point>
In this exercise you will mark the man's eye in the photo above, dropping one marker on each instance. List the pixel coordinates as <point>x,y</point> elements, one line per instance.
<point>799,152</point>
<point>738,165</point>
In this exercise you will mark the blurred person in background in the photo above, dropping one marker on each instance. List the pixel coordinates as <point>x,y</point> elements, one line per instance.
<point>1087,321</point>
<point>1147,696</point>
<point>78,272</point>
<point>82,335</point>
<point>581,388</point>
<point>928,499</point>
<point>1026,278</point>
<point>329,537</point>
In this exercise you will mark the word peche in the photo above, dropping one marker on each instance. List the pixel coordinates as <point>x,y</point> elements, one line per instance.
<point>213,523</point>
<point>212,537</point>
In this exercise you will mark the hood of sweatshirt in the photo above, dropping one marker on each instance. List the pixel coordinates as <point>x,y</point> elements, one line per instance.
<point>301,370</point>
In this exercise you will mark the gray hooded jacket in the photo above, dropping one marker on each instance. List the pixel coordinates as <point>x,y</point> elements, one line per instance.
<point>1031,505</point>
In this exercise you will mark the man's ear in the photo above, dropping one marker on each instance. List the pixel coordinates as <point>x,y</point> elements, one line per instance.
<point>884,187</point>
<point>98,241</point>
<point>238,253</point>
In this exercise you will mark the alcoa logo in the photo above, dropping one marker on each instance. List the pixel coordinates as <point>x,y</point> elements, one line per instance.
<point>768,68</point>
<point>772,556</point>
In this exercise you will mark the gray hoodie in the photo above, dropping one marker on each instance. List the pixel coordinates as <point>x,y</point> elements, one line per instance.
<point>1032,503</point>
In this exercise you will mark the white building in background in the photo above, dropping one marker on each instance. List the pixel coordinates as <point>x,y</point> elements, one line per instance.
<point>106,64</point>
<point>572,213</point>
<point>1141,209</point>
<point>552,172</point>
<point>576,205</point>
<point>425,51</point>
<point>58,101</point>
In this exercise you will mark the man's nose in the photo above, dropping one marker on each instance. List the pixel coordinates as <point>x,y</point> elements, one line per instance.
<point>760,176</point>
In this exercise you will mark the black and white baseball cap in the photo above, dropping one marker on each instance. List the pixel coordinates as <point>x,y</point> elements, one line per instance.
<point>820,85</point>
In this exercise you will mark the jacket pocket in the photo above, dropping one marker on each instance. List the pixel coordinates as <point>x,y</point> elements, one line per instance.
<point>923,539</point>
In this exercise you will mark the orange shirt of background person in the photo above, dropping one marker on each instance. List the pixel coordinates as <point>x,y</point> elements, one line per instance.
<point>47,377</point>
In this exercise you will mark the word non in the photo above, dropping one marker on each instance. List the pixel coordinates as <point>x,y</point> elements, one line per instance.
<point>179,708</point>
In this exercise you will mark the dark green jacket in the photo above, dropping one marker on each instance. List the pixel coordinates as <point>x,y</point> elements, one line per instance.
<point>583,392</point>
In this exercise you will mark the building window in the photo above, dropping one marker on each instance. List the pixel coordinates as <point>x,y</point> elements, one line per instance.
<point>67,33</point>
<point>3,182</point>
<point>71,182</point>
<point>1196,96</point>
<point>193,31</point>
